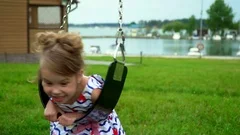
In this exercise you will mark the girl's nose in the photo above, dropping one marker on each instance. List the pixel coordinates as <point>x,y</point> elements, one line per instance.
<point>55,91</point>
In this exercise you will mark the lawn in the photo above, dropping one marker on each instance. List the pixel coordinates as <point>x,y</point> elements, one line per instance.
<point>161,96</point>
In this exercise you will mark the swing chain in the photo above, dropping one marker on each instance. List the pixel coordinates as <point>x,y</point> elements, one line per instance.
<point>120,32</point>
<point>120,11</point>
<point>67,11</point>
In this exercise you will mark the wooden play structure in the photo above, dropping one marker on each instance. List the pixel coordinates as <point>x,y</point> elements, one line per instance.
<point>22,19</point>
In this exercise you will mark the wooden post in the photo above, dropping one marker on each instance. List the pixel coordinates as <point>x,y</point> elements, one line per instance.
<point>33,16</point>
<point>141,57</point>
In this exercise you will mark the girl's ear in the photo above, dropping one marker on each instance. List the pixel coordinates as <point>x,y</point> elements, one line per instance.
<point>80,75</point>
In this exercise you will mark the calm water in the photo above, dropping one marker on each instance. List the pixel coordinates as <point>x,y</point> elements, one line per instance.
<point>155,46</point>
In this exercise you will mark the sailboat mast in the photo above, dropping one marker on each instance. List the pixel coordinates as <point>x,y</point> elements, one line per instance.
<point>201,36</point>
<point>239,27</point>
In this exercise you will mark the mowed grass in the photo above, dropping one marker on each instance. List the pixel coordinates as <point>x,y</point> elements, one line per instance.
<point>161,96</point>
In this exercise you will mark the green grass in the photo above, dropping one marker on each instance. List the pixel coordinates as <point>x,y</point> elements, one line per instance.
<point>161,96</point>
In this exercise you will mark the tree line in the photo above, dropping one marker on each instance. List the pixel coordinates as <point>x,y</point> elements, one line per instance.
<point>220,17</point>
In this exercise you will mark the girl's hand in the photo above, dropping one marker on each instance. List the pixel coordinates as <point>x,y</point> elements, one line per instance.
<point>51,111</point>
<point>67,119</point>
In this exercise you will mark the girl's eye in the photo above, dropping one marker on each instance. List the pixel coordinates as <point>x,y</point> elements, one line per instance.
<point>48,83</point>
<point>64,83</point>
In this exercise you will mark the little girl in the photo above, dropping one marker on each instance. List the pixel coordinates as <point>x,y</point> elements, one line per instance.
<point>71,92</point>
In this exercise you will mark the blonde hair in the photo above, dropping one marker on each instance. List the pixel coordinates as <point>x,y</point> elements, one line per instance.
<point>60,52</point>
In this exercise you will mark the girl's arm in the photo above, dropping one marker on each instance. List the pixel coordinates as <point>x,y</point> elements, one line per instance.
<point>95,94</point>
<point>67,119</point>
<point>51,111</point>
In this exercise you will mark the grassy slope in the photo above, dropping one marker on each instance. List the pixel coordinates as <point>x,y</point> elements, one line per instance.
<point>161,96</point>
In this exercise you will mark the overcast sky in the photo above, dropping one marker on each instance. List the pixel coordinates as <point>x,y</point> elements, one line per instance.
<point>99,11</point>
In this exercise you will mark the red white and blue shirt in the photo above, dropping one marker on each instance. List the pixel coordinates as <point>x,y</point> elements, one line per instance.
<point>109,126</point>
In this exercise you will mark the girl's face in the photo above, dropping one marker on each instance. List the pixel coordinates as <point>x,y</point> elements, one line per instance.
<point>61,89</point>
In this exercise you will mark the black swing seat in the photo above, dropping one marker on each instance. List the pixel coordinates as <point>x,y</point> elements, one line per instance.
<point>108,98</point>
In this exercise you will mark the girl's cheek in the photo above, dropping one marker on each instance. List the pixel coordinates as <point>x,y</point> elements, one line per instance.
<point>46,89</point>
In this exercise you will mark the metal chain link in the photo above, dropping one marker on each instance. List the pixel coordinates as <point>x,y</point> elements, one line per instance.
<point>67,10</point>
<point>120,33</point>
<point>120,11</point>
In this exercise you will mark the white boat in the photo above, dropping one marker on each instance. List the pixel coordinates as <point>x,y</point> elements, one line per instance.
<point>238,37</point>
<point>217,37</point>
<point>238,53</point>
<point>95,49</point>
<point>206,37</point>
<point>194,51</point>
<point>229,37</point>
<point>176,36</point>
<point>194,37</point>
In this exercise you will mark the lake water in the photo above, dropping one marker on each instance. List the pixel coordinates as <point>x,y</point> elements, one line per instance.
<point>155,47</point>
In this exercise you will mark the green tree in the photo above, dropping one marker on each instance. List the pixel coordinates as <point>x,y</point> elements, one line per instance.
<point>154,23</point>
<point>236,26</point>
<point>220,16</point>
<point>142,23</point>
<point>191,26</point>
<point>155,33</point>
<point>148,30</point>
<point>133,23</point>
<point>175,26</point>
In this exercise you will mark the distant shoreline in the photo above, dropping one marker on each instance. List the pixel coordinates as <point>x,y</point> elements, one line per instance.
<point>135,37</point>
<point>33,58</point>
<point>172,56</point>
<point>115,37</point>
